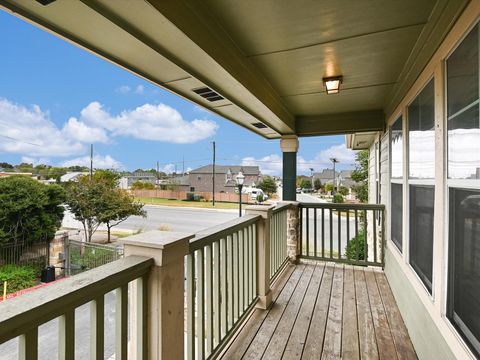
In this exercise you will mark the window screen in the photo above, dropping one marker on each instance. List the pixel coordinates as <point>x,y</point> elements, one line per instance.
<point>464,264</point>
<point>396,214</point>
<point>422,200</point>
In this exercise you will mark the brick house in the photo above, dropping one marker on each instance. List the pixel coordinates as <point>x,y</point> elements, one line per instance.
<point>201,179</point>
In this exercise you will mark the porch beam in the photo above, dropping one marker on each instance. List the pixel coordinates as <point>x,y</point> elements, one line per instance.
<point>340,123</point>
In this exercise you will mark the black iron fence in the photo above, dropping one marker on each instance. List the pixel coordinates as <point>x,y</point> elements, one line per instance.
<point>35,254</point>
<point>350,233</point>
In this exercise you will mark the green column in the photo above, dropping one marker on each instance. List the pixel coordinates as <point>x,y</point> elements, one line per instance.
<point>289,176</point>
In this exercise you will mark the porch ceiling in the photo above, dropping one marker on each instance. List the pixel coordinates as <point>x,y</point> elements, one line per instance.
<point>266,58</point>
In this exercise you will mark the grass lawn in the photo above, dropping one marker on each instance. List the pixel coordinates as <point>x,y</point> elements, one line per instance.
<point>180,203</point>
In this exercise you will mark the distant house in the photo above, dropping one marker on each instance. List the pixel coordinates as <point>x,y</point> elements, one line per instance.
<point>72,176</point>
<point>201,179</point>
<point>344,177</point>
<point>177,183</point>
<point>127,181</point>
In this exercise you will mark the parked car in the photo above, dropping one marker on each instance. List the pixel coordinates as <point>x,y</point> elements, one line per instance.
<point>299,190</point>
<point>254,192</point>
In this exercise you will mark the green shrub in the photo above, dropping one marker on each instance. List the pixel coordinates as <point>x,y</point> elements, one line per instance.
<point>260,198</point>
<point>17,277</point>
<point>190,196</point>
<point>197,197</point>
<point>353,243</point>
<point>343,190</point>
<point>338,198</point>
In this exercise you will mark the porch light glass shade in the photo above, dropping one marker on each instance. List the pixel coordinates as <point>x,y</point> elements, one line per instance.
<point>240,178</point>
<point>332,84</point>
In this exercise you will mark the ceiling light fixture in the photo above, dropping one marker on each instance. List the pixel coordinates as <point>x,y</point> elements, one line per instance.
<point>332,84</point>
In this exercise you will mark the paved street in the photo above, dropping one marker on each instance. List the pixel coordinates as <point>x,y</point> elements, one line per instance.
<point>169,218</point>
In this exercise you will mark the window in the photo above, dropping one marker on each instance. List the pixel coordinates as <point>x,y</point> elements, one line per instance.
<point>421,171</point>
<point>396,192</point>
<point>463,296</point>
<point>462,110</point>
<point>397,214</point>
<point>464,261</point>
<point>422,200</point>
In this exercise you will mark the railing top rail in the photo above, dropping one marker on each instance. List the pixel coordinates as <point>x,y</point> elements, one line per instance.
<point>337,206</point>
<point>25,312</point>
<point>281,207</point>
<point>215,233</point>
<point>100,246</point>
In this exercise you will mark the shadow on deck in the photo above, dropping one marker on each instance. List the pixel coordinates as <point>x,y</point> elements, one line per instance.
<point>325,310</point>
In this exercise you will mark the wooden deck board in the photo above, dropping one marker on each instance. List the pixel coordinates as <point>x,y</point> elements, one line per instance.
<point>242,341</point>
<point>264,334</point>
<point>332,345</point>
<point>285,325</point>
<point>327,311</point>
<point>403,344</point>
<point>298,336</point>
<point>350,346</point>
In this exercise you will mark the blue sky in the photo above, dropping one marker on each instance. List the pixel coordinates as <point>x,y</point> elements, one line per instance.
<point>56,99</point>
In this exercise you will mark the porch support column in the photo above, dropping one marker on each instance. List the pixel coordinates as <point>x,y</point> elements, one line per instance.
<point>263,253</point>
<point>164,320</point>
<point>289,145</point>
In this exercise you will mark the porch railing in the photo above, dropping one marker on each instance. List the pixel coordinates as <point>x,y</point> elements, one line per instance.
<point>350,233</point>
<point>221,271</point>
<point>278,240</point>
<point>22,316</point>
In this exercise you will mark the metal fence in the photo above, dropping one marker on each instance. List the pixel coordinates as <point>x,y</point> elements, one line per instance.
<point>83,256</point>
<point>350,233</point>
<point>35,254</point>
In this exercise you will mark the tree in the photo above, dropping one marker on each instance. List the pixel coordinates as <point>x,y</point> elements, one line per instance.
<point>5,165</point>
<point>97,201</point>
<point>343,190</point>
<point>328,187</point>
<point>268,185</point>
<point>30,211</point>
<point>85,201</point>
<point>140,185</point>
<point>306,184</point>
<point>317,184</point>
<point>360,175</point>
<point>118,205</point>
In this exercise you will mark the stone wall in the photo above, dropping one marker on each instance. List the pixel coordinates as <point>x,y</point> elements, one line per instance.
<point>293,231</point>
<point>57,253</point>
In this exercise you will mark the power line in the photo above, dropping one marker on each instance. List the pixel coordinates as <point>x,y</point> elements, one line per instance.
<point>18,140</point>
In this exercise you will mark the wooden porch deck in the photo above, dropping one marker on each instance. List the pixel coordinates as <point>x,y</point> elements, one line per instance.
<point>325,310</point>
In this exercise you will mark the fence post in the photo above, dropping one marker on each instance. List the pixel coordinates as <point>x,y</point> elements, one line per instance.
<point>165,300</point>
<point>263,253</point>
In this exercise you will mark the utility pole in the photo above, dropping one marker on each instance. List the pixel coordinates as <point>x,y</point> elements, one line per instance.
<point>213,179</point>
<point>334,160</point>
<point>91,162</point>
<point>183,165</point>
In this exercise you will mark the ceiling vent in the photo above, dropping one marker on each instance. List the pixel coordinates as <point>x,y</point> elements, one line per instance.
<point>208,94</point>
<point>45,2</point>
<point>260,125</point>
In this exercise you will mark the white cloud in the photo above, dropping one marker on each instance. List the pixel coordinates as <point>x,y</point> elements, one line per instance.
<point>149,122</point>
<point>272,164</point>
<point>139,90</point>
<point>32,133</point>
<point>124,89</point>
<point>269,165</point>
<point>78,130</point>
<point>34,161</point>
<point>99,162</point>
